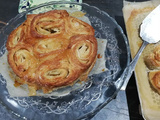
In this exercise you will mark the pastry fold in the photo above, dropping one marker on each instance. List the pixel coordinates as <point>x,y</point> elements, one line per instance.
<point>23,62</point>
<point>83,50</point>
<point>16,36</point>
<point>49,24</point>
<point>153,59</point>
<point>50,46</point>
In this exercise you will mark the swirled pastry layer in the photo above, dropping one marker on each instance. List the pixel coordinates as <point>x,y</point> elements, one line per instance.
<point>16,36</point>
<point>153,59</point>
<point>154,78</point>
<point>83,50</point>
<point>22,61</point>
<point>58,72</point>
<point>51,50</point>
<point>50,24</point>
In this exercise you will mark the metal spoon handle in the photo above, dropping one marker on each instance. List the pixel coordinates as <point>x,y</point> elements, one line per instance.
<point>129,69</point>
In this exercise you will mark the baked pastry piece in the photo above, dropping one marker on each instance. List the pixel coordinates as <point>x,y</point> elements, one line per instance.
<point>51,50</point>
<point>154,78</point>
<point>152,60</point>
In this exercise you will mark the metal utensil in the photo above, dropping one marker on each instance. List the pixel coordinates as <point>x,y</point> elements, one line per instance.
<point>150,33</point>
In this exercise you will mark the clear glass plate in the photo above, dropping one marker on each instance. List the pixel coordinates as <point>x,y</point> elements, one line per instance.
<point>94,94</point>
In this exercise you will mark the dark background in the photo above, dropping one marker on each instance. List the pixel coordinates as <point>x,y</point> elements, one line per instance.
<point>9,9</point>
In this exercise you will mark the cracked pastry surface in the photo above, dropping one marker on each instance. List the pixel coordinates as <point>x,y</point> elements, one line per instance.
<point>51,50</point>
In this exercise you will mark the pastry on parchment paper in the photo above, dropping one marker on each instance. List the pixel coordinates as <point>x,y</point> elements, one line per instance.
<point>51,50</point>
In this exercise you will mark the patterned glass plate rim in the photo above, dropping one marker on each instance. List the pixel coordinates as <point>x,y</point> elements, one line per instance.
<point>88,100</point>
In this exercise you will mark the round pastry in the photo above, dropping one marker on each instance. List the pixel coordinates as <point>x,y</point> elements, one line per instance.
<point>51,50</point>
<point>49,24</point>
<point>153,59</point>
<point>83,50</point>
<point>154,78</point>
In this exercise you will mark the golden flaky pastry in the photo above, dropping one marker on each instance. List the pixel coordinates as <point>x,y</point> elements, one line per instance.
<point>51,50</point>
<point>154,78</point>
<point>152,62</point>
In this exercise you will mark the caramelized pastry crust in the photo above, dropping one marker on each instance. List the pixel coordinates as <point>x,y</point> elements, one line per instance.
<point>154,78</point>
<point>153,59</point>
<point>83,50</point>
<point>51,50</point>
